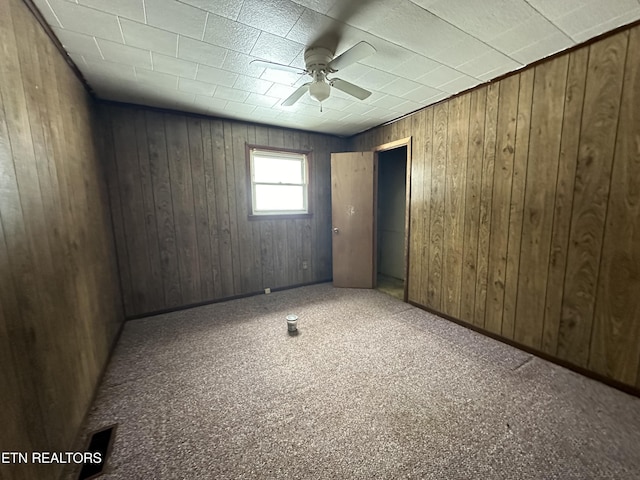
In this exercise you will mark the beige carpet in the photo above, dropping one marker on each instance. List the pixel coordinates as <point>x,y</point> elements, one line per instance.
<point>371,388</point>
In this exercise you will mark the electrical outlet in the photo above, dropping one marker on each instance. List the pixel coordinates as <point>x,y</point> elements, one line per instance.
<point>305,264</point>
<point>267,291</point>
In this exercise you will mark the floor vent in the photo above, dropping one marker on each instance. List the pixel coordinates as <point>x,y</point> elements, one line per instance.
<point>100,442</point>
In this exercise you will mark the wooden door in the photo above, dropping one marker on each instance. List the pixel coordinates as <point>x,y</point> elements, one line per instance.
<point>352,213</point>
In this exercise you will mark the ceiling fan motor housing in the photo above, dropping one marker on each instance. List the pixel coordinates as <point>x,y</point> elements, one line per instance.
<point>317,58</point>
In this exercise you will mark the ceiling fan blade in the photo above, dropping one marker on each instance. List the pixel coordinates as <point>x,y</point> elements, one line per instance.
<point>277,66</point>
<point>333,24</point>
<point>354,54</point>
<point>350,88</point>
<point>295,96</point>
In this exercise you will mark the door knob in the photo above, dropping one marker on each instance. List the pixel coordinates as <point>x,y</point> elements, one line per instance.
<point>335,230</point>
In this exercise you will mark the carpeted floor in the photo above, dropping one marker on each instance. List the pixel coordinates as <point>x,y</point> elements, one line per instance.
<point>371,388</point>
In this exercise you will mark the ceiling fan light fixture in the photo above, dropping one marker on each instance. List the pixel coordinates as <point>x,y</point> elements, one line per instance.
<point>319,91</point>
<point>319,62</point>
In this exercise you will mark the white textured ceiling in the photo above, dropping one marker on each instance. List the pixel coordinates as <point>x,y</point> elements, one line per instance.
<point>193,55</point>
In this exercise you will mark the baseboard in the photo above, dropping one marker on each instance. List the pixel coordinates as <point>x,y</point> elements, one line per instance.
<point>631,390</point>
<point>222,299</point>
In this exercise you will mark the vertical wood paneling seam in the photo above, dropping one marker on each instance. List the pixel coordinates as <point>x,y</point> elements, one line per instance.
<point>524,194</point>
<point>138,304</point>
<point>33,142</point>
<point>195,213</point>
<point>493,177</point>
<point>500,139</point>
<point>427,160</point>
<point>216,252</point>
<point>444,212</point>
<point>31,146</point>
<point>116,250</point>
<point>606,211</point>
<point>153,198</point>
<point>173,213</point>
<point>508,224</point>
<point>555,196</point>
<point>464,208</point>
<point>231,242</point>
<point>477,216</point>
<point>490,204</point>
<point>219,221</point>
<point>444,208</point>
<point>139,184</point>
<point>475,295</point>
<point>573,204</point>
<point>481,180</point>
<point>573,201</point>
<point>132,303</point>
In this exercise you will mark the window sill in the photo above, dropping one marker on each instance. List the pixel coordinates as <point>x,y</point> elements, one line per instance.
<point>283,216</point>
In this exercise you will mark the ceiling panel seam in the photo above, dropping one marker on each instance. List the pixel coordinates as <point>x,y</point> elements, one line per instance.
<point>121,32</point>
<point>407,48</point>
<point>491,47</point>
<point>296,22</point>
<point>204,27</point>
<point>95,40</point>
<point>54,14</point>
<point>551,21</point>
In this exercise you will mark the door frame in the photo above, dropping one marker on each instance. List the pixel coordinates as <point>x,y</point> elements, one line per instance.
<point>403,142</point>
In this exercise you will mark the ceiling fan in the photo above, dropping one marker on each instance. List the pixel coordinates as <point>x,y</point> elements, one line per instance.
<point>320,63</point>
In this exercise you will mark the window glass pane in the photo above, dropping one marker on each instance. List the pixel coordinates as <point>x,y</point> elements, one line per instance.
<point>277,170</point>
<point>279,198</point>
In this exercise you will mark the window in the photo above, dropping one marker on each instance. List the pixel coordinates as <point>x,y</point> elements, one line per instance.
<point>279,182</point>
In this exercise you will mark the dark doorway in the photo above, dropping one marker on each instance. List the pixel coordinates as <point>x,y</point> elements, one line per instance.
<point>390,221</point>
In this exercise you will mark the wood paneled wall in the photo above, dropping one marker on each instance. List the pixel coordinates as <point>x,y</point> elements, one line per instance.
<point>525,206</point>
<point>59,298</point>
<point>179,198</point>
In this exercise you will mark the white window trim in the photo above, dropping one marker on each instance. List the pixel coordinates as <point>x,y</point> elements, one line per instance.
<point>285,154</point>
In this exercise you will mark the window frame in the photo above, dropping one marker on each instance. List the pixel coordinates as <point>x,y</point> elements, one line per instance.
<point>274,215</point>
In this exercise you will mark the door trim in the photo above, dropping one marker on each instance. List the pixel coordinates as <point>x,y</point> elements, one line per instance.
<point>403,142</point>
